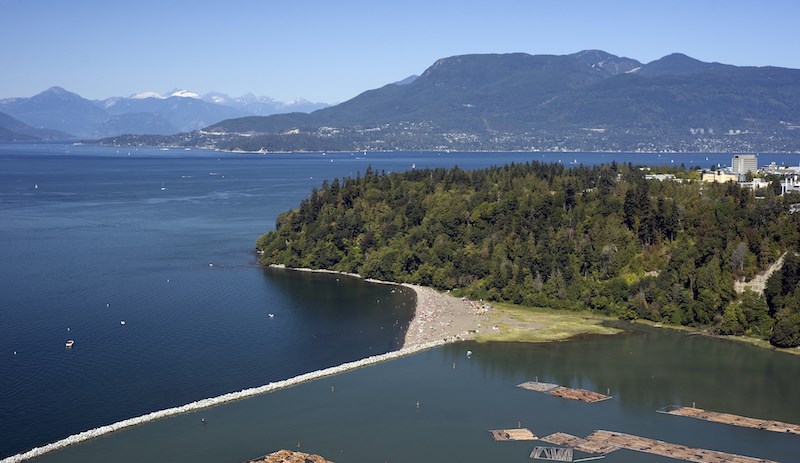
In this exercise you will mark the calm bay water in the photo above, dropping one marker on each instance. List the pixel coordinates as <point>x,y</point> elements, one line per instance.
<point>371,414</point>
<point>162,240</point>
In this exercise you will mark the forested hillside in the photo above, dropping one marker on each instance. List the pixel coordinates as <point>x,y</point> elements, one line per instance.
<point>586,101</point>
<point>541,234</point>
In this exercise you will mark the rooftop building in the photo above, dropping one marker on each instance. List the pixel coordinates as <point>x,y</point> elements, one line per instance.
<point>718,176</point>
<point>744,163</point>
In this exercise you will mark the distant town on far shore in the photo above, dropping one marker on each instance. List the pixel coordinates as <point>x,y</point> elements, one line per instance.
<point>588,101</point>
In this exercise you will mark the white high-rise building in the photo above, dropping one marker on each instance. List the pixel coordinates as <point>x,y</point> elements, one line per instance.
<point>744,163</point>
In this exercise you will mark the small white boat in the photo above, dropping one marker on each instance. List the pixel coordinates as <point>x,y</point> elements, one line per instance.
<point>271,315</point>
<point>69,343</point>
<point>122,322</point>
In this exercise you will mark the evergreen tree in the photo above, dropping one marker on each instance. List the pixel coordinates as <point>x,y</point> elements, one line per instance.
<point>534,233</point>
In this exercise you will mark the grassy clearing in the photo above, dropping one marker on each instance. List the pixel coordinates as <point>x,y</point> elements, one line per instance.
<point>517,323</point>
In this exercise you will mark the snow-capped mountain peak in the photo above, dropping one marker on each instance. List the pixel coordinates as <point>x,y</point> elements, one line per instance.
<point>145,95</point>
<point>184,94</point>
<point>217,98</point>
<point>177,93</point>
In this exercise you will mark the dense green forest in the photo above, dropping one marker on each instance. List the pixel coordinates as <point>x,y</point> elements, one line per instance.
<point>601,237</point>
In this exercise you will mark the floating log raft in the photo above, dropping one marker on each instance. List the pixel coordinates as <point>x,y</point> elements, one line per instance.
<point>564,392</point>
<point>579,394</point>
<point>602,442</point>
<point>287,456</point>
<point>512,434</point>
<point>730,419</point>
<point>562,438</point>
<point>584,445</point>
<point>538,387</point>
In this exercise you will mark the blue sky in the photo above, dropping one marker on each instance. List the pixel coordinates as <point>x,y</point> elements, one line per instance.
<point>330,51</point>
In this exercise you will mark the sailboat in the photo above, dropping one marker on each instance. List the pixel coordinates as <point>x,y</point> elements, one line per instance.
<point>163,187</point>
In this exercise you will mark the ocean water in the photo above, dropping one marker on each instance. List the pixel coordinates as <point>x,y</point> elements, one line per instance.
<point>440,404</point>
<point>91,237</point>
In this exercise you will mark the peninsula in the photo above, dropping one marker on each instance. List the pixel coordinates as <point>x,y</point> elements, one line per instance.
<point>603,238</point>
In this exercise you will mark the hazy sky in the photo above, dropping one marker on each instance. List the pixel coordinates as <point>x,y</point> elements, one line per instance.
<point>330,51</point>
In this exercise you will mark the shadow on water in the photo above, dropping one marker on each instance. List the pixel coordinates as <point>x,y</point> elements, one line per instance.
<point>375,315</point>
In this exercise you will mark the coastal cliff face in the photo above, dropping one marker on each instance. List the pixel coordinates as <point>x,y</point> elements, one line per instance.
<point>287,456</point>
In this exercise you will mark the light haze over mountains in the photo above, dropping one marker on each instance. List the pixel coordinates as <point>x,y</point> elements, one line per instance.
<point>585,101</point>
<point>58,113</point>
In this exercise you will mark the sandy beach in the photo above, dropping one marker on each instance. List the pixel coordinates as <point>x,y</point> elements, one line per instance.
<point>439,316</point>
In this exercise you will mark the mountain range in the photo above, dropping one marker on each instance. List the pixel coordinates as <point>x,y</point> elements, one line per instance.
<point>15,130</point>
<point>60,114</point>
<point>587,101</point>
